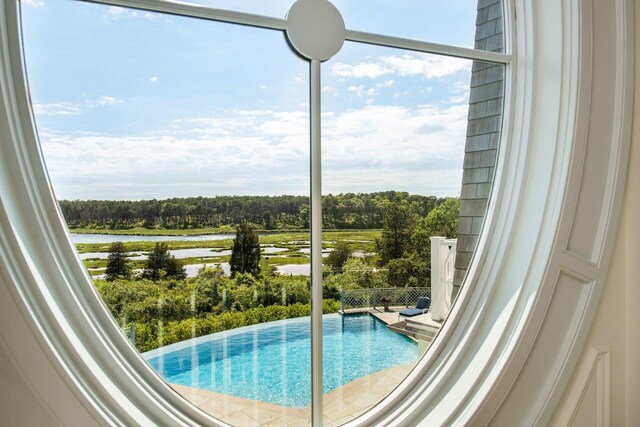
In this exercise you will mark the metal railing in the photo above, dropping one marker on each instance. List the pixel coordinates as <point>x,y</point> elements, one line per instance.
<point>129,331</point>
<point>379,297</point>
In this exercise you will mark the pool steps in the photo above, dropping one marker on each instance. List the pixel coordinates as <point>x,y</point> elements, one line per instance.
<point>417,330</point>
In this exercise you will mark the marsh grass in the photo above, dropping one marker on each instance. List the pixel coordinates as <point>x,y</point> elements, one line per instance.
<point>358,240</point>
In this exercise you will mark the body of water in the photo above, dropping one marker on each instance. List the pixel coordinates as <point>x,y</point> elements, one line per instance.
<point>268,249</point>
<point>192,269</point>
<point>270,362</point>
<point>294,269</point>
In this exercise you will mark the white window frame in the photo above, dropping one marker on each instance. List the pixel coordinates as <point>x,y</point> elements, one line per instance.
<point>513,338</point>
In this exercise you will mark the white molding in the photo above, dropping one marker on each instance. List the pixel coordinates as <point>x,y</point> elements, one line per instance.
<point>596,367</point>
<point>483,367</point>
<point>485,357</point>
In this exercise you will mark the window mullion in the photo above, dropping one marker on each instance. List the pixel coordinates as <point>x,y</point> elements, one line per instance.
<point>316,246</point>
<point>198,11</point>
<point>427,47</point>
<point>267,22</point>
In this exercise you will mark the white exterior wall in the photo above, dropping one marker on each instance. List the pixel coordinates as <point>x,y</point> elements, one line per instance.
<point>617,327</point>
<point>617,324</point>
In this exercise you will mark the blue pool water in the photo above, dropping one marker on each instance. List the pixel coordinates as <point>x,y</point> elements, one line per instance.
<point>270,362</point>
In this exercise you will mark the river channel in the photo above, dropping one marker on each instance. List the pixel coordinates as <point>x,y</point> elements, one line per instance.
<point>205,253</point>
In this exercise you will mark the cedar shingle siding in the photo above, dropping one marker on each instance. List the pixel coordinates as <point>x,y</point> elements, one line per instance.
<point>483,135</point>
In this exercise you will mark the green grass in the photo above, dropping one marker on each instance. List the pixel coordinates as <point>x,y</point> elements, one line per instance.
<point>359,240</point>
<point>280,260</point>
<point>148,246</point>
<point>141,231</point>
<point>227,229</point>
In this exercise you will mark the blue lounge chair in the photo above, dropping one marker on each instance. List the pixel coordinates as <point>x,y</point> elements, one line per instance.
<point>422,306</point>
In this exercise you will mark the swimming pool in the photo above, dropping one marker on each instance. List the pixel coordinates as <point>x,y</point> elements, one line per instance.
<point>270,362</point>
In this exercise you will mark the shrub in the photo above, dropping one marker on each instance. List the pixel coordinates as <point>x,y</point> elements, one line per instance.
<point>148,334</point>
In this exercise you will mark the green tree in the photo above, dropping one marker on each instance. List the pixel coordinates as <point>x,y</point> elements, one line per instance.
<point>421,241</point>
<point>443,219</point>
<point>338,257</point>
<point>161,264</point>
<point>267,219</point>
<point>396,235</point>
<point>356,274</point>
<point>245,254</point>
<point>118,264</point>
<point>411,271</point>
<point>207,286</point>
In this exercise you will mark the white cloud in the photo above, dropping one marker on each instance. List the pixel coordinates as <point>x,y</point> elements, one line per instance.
<point>370,70</point>
<point>72,108</point>
<point>418,150</point>
<point>115,13</point>
<point>57,109</point>
<point>431,66</point>
<point>462,90</point>
<point>153,79</point>
<point>267,152</point>
<point>428,66</point>
<point>358,90</point>
<point>35,3</point>
<point>109,100</point>
<point>460,87</point>
<point>386,83</point>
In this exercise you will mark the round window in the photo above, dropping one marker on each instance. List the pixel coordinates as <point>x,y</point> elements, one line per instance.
<point>339,182</point>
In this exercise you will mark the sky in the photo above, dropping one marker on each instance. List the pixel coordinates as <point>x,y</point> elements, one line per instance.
<point>136,105</point>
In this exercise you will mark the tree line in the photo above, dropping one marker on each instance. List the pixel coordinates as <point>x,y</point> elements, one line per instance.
<point>403,249</point>
<point>160,264</point>
<point>341,211</point>
<point>212,302</point>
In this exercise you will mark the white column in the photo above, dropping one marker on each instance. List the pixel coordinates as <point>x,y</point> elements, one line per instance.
<point>437,293</point>
<point>443,252</point>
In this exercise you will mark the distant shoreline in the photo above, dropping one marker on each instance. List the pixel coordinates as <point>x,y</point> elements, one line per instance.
<point>197,231</point>
<point>152,232</point>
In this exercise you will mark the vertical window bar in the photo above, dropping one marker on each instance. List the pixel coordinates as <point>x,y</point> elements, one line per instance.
<point>316,247</point>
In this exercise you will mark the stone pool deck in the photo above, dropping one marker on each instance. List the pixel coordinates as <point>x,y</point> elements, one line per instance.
<point>340,405</point>
<point>391,317</point>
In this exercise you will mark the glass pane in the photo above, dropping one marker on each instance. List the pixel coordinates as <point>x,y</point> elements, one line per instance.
<point>272,8</point>
<point>464,23</point>
<point>397,147</point>
<point>160,130</point>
